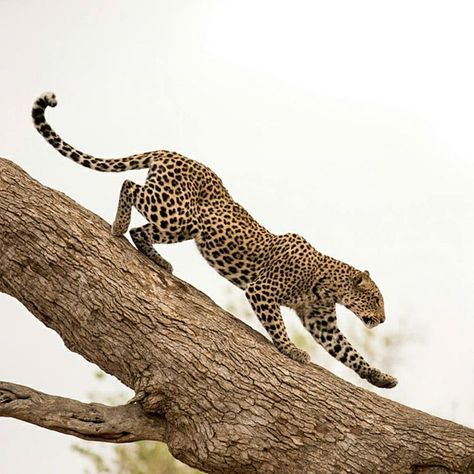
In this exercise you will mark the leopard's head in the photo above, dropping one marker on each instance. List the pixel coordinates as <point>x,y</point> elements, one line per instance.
<point>362,296</point>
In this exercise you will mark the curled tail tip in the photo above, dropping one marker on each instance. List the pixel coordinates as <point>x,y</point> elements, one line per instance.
<point>47,99</point>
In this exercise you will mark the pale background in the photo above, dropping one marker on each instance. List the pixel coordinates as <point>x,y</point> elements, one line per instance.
<point>350,123</point>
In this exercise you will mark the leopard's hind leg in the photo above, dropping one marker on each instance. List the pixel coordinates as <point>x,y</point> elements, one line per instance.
<point>143,237</point>
<point>128,198</point>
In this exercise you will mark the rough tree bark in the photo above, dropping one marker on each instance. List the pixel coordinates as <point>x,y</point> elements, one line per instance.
<point>219,394</point>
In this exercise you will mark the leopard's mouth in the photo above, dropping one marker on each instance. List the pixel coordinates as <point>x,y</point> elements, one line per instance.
<point>370,322</point>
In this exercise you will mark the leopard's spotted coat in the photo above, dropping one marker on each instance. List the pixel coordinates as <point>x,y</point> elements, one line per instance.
<point>183,199</point>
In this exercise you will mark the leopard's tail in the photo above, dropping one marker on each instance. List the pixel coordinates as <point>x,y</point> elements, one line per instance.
<point>132,162</point>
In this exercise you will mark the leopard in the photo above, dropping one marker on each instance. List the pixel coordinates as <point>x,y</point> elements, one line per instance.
<point>183,199</point>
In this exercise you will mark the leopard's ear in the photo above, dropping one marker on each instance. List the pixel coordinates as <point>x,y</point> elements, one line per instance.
<point>361,280</point>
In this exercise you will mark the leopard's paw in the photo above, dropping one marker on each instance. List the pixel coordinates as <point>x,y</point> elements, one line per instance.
<point>118,229</point>
<point>160,261</point>
<point>381,380</point>
<point>298,354</point>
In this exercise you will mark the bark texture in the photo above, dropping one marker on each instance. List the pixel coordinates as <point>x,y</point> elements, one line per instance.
<point>218,393</point>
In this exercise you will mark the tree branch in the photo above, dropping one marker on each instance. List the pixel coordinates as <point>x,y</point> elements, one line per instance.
<point>231,402</point>
<point>90,421</point>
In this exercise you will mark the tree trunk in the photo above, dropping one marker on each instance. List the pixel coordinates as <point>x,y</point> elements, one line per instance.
<point>217,392</point>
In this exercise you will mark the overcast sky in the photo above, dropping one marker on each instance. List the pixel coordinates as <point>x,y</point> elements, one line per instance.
<point>350,123</point>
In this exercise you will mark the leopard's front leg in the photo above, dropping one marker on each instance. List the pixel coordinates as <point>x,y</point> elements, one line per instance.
<point>321,323</point>
<point>261,298</point>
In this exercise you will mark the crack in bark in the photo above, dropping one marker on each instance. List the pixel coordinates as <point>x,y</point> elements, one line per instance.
<point>430,469</point>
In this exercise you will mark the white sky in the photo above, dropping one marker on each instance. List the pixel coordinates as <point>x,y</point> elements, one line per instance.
<point>347,122</point>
